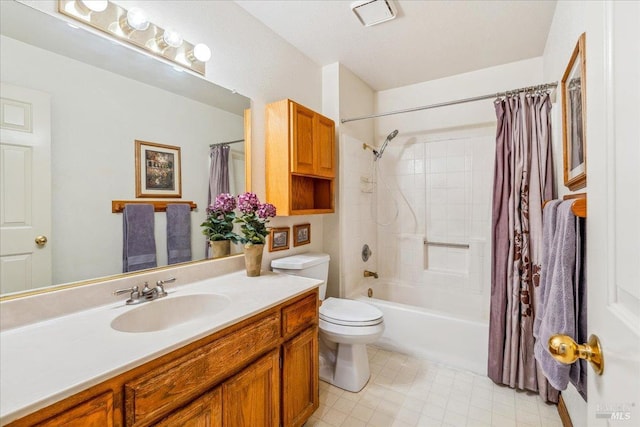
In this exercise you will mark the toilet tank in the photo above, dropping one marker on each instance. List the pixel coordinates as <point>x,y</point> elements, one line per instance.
<point>314,265</point>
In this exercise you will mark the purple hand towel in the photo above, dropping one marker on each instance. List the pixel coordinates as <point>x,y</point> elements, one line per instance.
<point>178,233</point>
<point>549,215</point>
<point>557,311</point>
<point>139,246</point>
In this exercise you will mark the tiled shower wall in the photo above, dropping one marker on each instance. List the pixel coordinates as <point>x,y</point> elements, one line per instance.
<point>355,212</point>
<point>438,187</point>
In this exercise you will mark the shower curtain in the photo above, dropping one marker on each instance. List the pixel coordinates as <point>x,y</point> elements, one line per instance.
<point>218,172</point>
<point>218,176</point>
<point>522,181</point>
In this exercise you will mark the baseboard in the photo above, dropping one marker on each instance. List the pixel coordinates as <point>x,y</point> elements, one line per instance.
<point>564,413</point>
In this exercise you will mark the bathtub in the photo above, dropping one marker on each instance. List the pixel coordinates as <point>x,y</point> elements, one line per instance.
<point>415,325</point>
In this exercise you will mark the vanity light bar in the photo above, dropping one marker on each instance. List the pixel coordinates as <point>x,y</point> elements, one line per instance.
<point>133,26</point>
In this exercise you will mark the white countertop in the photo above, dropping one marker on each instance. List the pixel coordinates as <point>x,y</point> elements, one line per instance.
<point>45,362</point>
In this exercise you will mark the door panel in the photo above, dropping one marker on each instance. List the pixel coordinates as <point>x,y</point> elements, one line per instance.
<point>25,189</point>
<point>613,231</point>
<point>252,398</point>
<point>303,144</point>
<point>325,132</point>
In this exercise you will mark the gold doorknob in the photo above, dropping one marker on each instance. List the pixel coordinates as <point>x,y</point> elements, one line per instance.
<point>566,350</point>
<point>41,240</point>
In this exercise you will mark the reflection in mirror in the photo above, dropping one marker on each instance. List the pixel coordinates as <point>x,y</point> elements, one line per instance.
<point>104,96</point>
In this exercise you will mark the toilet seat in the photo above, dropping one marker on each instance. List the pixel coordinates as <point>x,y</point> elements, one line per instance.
<point>345,312</point>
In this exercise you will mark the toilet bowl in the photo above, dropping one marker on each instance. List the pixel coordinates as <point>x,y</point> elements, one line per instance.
<point>346,326</point>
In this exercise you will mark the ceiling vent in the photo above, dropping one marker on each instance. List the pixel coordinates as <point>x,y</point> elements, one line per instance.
<point>372,12</point>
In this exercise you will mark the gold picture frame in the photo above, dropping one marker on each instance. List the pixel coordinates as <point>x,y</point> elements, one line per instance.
<point>158,170</point>
<point>301,234</point>
<point>278,239</point>
<point>574,114</point>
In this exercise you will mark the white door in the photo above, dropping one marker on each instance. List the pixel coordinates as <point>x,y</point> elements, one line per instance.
<point>25,189</point>
<point>613,210</point>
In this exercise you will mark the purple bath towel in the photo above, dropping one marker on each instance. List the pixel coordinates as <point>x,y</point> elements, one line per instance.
<point>178,233</point>
<point>557,310</point>
<point>139,246</point>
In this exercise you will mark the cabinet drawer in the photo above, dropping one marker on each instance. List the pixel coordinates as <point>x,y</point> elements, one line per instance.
<point>299,315</point>
<point>97,411</point>
<point>162,389</point>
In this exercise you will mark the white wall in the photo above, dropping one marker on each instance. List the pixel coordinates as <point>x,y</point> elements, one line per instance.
<point>251,59</point>
<point>346,95</point>
<point>96,116</point>
<point>568,23</point>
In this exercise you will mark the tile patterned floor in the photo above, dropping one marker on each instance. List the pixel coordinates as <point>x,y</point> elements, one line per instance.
<point>405,391</point>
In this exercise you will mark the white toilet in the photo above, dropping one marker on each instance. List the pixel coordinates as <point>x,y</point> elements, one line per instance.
<point>346,326</point>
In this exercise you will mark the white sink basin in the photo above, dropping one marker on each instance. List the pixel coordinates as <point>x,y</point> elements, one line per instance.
<point>168,312</point>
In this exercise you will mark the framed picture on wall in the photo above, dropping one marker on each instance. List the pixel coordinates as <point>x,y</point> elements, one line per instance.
<point>278,239</point>
<point>158,171</point>
<point>301,234</point>
<point>574,141</point>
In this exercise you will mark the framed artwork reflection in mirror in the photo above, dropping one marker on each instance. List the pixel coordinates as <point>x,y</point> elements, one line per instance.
<point>157,170</point>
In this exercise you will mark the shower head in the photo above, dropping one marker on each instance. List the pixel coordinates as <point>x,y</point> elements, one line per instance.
<point>384,144</point>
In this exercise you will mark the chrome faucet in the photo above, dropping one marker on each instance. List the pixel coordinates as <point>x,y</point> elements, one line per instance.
<point>138,296</point>
<point>368,273</point>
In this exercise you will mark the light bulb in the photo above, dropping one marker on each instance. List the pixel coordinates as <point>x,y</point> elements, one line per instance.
<point>200,52</point>
<point>95,5</point>
<point>172,38</point>
<point>137,19</point>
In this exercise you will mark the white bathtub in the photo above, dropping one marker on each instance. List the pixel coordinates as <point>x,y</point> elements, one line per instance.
<point>415,323</point>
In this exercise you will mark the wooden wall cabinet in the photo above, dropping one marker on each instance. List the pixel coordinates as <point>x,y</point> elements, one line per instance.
<point>262,371</point>
<point>300,159</point>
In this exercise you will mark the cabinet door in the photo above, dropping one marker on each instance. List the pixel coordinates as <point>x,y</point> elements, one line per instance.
<point>252,397</point>
<point>205,411</point>
<point>300,378</point>
<point>302,139</point>
<point>324,139</point>
<point>97,412</point>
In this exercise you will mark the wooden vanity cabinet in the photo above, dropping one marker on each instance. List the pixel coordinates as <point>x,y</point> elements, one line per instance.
<point>205,411</point>
<point>262,371</point>
<point>300,159</point>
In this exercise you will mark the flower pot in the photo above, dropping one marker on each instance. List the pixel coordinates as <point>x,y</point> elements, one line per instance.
<point>253,259</point>
<point>219,248</point>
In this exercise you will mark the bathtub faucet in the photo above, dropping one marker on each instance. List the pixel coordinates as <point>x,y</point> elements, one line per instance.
<point>368,273</point>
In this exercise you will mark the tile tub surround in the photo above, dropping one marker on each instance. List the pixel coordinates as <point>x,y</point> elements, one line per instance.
<point>404,391</point>
<point>44,362</point>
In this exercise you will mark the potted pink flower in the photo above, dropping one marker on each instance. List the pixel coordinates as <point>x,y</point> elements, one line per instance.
<point>253,219</point>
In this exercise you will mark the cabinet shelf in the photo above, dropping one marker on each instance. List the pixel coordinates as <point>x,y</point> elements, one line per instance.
<point>300,159</point>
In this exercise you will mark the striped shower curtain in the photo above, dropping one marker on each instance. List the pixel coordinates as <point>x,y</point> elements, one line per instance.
<point>522,181</point>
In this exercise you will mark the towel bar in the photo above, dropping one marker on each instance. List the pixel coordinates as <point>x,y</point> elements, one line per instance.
<point>117,206</point>
<point>447,245</point>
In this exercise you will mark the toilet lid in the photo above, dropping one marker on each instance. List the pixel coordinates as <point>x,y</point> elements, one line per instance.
<point>349,312</point>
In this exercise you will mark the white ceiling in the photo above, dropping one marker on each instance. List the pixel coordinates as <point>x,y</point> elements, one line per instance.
<point>427,40</point>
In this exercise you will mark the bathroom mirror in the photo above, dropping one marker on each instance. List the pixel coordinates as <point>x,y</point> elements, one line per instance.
<point>104,96</point>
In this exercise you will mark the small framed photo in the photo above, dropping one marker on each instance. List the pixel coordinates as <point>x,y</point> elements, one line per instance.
<point>279,239</point>
<point>574,141</point>
<point>158,171</point>
<point>301,234</point>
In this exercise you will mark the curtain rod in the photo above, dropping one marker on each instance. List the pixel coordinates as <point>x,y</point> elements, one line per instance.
<point>544,86</point>
<point>228,142</point>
